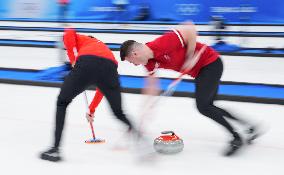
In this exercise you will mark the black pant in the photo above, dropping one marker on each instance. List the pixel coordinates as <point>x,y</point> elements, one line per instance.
<point>207,83</point>
<point>89,70</point>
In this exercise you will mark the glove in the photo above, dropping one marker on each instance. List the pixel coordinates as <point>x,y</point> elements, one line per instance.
<point>90,117</point>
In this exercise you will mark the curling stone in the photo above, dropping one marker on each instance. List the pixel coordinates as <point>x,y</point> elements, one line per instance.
<point>168,143</point>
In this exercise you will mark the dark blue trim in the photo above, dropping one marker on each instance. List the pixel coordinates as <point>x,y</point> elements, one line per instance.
<point>244,91</point>
<point>261,52</point>
<point>156,32</point>
<point>27,42</point>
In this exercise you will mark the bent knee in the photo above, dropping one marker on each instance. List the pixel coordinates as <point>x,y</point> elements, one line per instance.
<point>203,108</point>
<point>118,112</point>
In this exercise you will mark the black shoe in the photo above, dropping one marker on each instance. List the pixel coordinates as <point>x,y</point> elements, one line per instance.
<point>253,132</point>
<point>234,146</point>
<point>52,155</point>
<point>135,134</point>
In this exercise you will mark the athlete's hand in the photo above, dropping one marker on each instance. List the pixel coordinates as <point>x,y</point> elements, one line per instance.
<point>188,63</point>
<point>151,87</point>
<point>90,117</point>
<point>191,62</point>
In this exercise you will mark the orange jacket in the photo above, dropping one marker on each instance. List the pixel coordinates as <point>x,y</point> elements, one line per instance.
<point>85,45</point>
<point>77,45</point>
<point>63,1</point>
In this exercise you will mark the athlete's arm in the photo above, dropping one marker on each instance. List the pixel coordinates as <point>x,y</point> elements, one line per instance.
<point>151,86</point>
<point>96,101</point>
<point>189,33</point>
<point>69,39</point>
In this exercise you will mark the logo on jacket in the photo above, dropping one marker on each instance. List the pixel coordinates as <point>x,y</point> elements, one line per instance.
<point>167,57</point>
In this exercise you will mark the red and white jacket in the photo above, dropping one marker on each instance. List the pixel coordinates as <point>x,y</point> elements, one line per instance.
<point>170,53</point>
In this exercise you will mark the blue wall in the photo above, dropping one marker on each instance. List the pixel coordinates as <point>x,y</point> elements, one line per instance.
<point>237,11</point>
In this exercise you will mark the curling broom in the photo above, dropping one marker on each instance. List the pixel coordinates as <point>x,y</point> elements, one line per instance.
<point>94,140</point>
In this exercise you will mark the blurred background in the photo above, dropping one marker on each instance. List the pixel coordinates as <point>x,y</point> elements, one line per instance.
<point>249,35</point>
<point>199,11</point>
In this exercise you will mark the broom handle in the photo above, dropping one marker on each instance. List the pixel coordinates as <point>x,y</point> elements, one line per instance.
<point>92,128</point>
<point>88,110</point>
<point>171,87</point>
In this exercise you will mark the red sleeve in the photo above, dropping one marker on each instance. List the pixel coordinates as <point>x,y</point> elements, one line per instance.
<point>96,101</point>
<point>168,42</point>
<point>69,39</point>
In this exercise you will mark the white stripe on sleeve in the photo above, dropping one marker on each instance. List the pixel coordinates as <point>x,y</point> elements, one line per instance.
<point>179,37</point>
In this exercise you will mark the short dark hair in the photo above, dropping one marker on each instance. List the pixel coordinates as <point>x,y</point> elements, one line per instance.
<point>125,48</point>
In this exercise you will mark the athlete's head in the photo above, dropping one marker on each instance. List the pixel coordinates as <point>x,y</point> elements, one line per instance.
<point>134,52</point>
